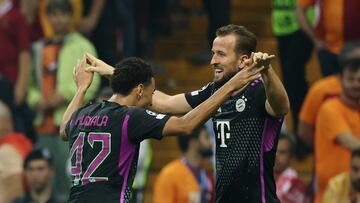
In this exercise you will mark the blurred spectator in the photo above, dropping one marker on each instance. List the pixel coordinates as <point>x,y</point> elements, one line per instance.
<point>15,62</point>
<point>295,49</point>
<point>337,129</point>
<point>345,187</point>
<point>13,149</point>
<point>218,14</point>
<point>185,180</point>
<point>38,168</point>
<point>152,20</point>
<point>7,93</point>
<point>319,92</point>
<point>76,15</point>
<point>144,161</point>
<point>333,27</point>
<point>110,25</point>
<point>289,187</point>
<point>30,9</point>
<point>52,87</point>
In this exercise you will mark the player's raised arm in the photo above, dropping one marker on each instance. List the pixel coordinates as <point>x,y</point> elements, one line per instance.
<point>277,103</point>
<point>189,122</point>
<point>163,103</point>
<point>83,81</point>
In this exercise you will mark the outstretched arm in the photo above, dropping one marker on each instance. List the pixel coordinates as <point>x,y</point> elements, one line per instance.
<point>171,104</point>
<point>83,81</point>
<point>277,102</point>
<point>193,119</point>
<point>162,103</point>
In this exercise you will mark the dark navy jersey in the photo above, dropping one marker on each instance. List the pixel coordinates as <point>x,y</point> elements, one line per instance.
<point>104,143</point>
<point>246,142</point>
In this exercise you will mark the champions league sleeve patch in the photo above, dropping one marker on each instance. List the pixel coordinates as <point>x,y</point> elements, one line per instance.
<point>156,115</point>
<point>196,92</point>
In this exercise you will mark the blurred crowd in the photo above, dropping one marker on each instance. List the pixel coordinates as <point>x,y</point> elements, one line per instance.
<point>41,41</point>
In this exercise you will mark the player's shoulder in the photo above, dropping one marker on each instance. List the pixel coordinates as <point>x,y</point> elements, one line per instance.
<point>136,111</point>
<point>208,87</point>
<point>256,87</point>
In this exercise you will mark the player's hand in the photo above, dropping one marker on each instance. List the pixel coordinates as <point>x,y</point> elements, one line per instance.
<point>247,74</point>
<point>263,59</point>
<point>82,77</point>
<point>98,66</point>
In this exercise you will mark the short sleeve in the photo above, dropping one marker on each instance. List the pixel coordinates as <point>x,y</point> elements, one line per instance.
<point>144,124</point>
<point>259,95</point>
<point>331,121</point>
<point>196,97</point>
<point>306,3</point>
<point>310,106</point>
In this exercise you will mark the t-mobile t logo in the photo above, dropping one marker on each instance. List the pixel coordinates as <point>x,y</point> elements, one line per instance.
<point>223,128</point>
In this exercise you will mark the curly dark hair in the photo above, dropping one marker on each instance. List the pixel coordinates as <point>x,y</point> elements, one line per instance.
<point>129,73</point>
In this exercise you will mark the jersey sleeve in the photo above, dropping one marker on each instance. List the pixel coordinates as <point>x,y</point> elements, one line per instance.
<point>259,96</point>
<point>144,124</point>
<point>196,97</point>
<point>331,121</point>
<point>311,105</point>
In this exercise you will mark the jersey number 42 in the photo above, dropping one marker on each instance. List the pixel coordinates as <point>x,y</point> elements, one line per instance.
<point>85,176</point>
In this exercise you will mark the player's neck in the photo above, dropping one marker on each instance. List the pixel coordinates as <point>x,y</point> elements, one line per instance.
<point>123,100</point>
<point>193,158</point>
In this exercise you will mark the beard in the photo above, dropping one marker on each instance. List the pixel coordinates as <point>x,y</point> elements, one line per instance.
<point>206,153</point>
<point>225,78</point>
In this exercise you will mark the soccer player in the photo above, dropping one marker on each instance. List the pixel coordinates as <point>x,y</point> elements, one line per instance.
<point>247,124</point>
<point>104,137</point>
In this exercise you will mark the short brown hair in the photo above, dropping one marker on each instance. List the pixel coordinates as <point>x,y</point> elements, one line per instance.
<point>245,40</point>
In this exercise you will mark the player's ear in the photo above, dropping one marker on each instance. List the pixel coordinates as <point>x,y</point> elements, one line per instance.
<point>241,61</point>
<point>139,91</point>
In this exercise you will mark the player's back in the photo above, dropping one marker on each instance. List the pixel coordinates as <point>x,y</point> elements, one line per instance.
<point>103,160</point>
